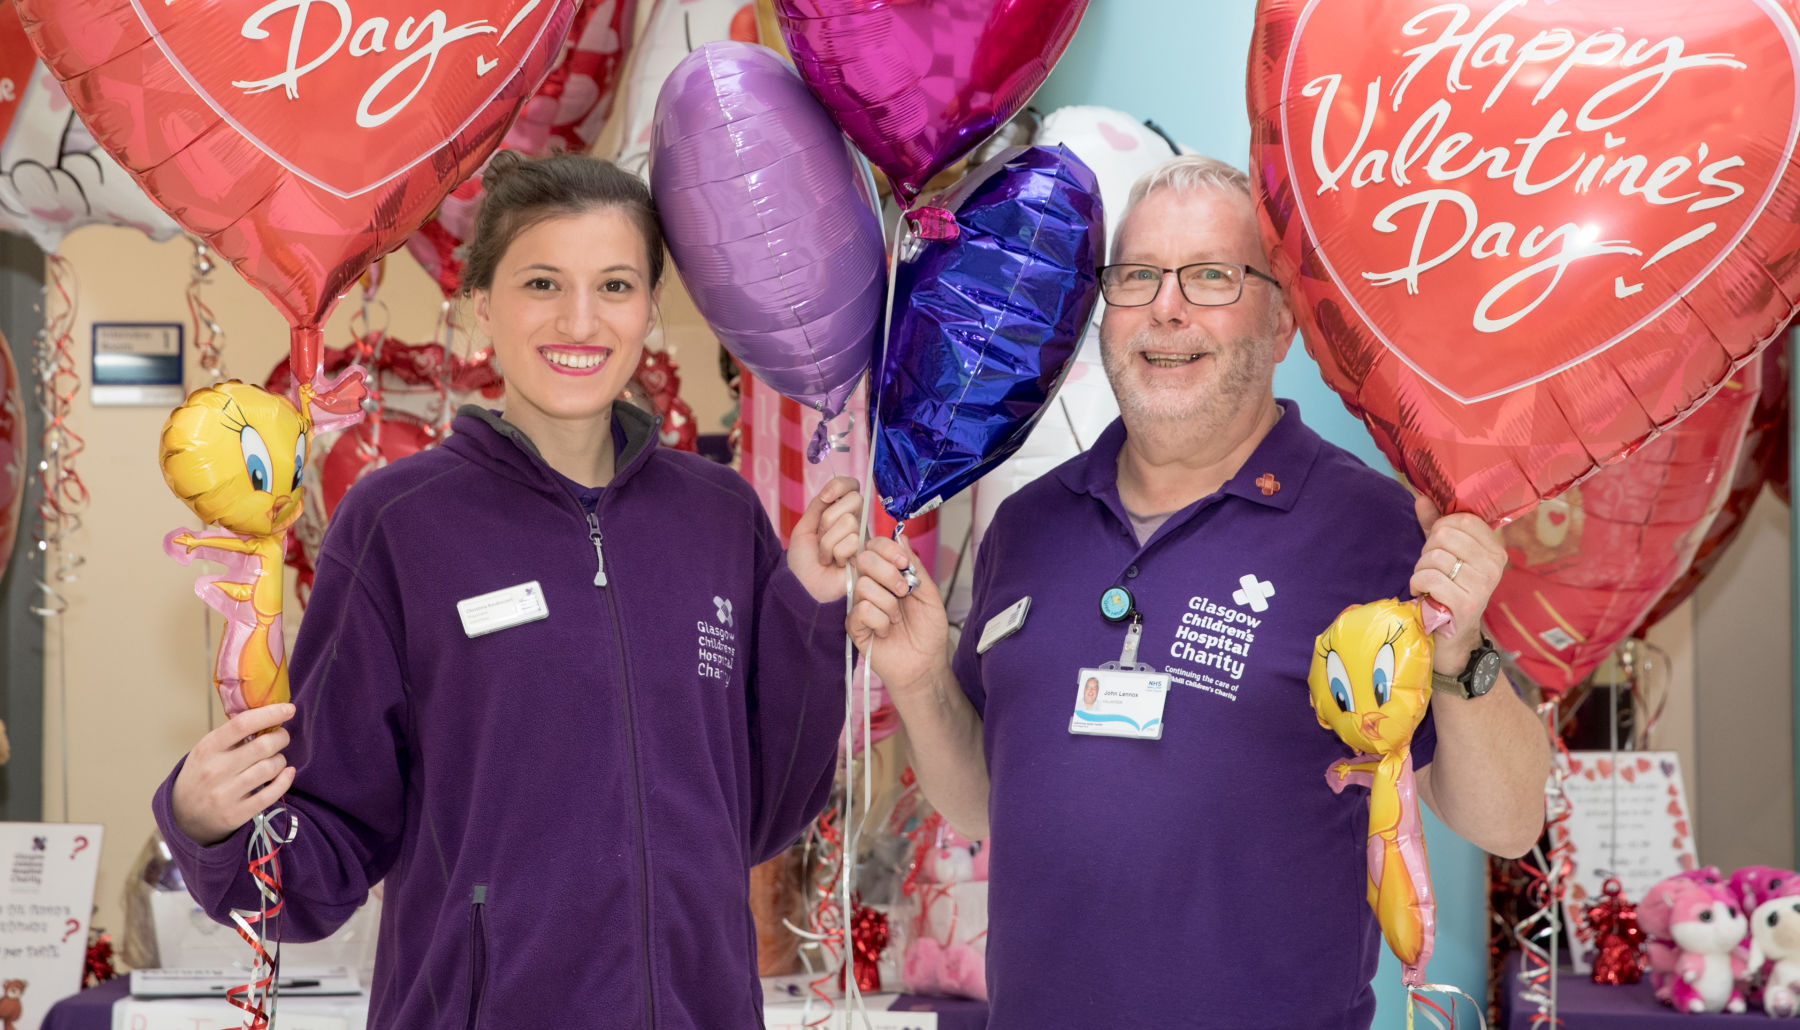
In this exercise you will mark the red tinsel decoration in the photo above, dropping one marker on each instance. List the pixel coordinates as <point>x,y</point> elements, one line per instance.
<point>1616,933</point>
<point>868,939</point>
<point>99,964</point>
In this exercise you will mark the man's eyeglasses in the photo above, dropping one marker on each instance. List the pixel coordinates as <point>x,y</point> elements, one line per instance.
<point>1207,284</point>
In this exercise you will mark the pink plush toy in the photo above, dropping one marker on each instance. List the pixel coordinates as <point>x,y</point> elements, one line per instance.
<point>1753,885</point>
<point>1707,928</point>
<point>1654,914</point>
<point>1775,937</point>
<point>948,951</point>
<point>956,859</point>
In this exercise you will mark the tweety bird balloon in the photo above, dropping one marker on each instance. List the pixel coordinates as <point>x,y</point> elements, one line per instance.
<point>1371,681</point>
<point>234,454</point>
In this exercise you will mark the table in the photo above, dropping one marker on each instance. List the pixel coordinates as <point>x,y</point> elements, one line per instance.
<point>1582,1004</point>
<point>92,1009</point>
<point>87,1010</point>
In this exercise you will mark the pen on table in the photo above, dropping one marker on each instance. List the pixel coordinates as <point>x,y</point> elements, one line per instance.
<point>285,984</point>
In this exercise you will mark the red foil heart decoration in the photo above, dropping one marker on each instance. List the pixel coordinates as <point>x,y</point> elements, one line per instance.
<point>1523,236</point>
<point>301,138</point>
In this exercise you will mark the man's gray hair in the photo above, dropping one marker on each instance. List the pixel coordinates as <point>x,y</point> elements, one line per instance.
<point>1187,173</point>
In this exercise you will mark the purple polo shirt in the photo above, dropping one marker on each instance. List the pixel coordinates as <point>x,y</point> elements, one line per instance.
<point>1211,878</point>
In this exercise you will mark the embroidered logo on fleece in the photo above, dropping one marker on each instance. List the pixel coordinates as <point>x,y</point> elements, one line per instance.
<point>717,642</point>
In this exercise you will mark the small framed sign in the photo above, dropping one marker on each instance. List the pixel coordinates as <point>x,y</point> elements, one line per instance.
<point>46,900</point>
<point>138,363</point>
<point>1629,818</point>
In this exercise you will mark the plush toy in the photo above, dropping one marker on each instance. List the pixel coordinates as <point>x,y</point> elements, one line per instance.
<point>1707,928</point>
<point>956,859</point>
<point>1775,938</point>
<point>1654,915</point>
<point>947,952</point>
<point>1753,885</point>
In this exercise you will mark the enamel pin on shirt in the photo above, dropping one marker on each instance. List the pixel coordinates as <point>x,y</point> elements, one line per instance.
<point>1123,698</point>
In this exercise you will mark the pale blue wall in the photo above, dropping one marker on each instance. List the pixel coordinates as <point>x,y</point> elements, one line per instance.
<point>1181,64</point>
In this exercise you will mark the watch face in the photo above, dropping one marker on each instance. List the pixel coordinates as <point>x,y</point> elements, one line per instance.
<point>1485,673</point>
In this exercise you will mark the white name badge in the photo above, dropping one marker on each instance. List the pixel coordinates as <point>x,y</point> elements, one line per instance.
<point>1003,625</point>
<point>502,609</point>
<point>1120,703</point>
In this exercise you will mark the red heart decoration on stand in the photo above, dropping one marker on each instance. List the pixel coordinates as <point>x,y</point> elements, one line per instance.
<point>1523,236</point>
<point>301,139</point>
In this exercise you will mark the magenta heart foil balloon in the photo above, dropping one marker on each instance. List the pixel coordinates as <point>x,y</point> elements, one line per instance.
<point>918,84</point>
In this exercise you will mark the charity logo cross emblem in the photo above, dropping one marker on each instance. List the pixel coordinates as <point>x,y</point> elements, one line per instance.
<point>1254,592</point>
<point>724,610</point>
<point>1268,484</point>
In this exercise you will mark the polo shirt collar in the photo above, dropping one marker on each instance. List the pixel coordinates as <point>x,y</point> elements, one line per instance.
<point>1272,476</point>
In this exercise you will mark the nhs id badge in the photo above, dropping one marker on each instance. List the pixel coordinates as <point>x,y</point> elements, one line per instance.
<point>1120,703</point>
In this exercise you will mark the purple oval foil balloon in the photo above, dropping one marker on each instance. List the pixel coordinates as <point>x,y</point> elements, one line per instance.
<point>986,324</point>
<point>771,219</point>
<point>917,84</point>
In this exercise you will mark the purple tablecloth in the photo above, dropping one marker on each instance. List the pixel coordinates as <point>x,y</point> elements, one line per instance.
<point>1582,1004</point>
<point>92,1009</point>
<point>88,1010</point>
<point>952,1013</point>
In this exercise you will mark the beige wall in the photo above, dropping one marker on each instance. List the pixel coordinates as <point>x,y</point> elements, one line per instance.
<point>1743,725</point>
<point>138,691</point>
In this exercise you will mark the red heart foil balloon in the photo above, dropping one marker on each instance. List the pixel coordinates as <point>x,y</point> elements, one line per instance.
<point>1523,235</point>
<point>1763,446</point>
<point>918,84</point>
<point>565,114</point>
<point>301,138</point>
<point>1641,521</point>
<point>13,470</point>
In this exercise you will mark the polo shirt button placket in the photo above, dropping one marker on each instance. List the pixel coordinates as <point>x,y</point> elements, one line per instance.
<point>1131,572</point>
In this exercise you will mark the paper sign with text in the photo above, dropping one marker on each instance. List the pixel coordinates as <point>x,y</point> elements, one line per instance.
<point>1629,819</point>
<point>46,900</point>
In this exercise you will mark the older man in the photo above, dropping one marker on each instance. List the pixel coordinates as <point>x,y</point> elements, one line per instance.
<point>1185,833</point>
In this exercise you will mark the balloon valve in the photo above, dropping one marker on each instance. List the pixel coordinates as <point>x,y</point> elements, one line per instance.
<point>933,223</point>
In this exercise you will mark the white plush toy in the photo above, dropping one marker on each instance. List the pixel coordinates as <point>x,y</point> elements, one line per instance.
<point>1775,937</point>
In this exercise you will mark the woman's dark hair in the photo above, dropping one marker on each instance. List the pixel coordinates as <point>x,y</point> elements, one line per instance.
<point>518,192</point>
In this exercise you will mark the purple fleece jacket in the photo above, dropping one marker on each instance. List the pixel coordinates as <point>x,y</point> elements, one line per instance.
<point>564,812</point>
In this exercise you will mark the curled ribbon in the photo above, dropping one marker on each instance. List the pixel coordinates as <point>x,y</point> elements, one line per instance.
<point>257,998</point>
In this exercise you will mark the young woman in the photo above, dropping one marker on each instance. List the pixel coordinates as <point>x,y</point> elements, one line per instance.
<point>556,687</point>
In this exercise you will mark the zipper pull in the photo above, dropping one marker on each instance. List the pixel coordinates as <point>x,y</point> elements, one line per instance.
<point>599,555</point>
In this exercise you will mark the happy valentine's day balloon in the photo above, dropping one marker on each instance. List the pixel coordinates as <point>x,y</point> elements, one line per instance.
<point>1521,235</point>
<point>302,139</point>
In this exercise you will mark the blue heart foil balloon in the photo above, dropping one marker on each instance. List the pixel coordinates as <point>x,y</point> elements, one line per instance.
<point>986,323</point>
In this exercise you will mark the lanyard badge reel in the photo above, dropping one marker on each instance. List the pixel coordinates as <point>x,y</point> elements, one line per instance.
<point>1123,698</point>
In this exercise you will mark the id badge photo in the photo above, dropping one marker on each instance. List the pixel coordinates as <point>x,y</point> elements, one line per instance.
<point>1123,698</point>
